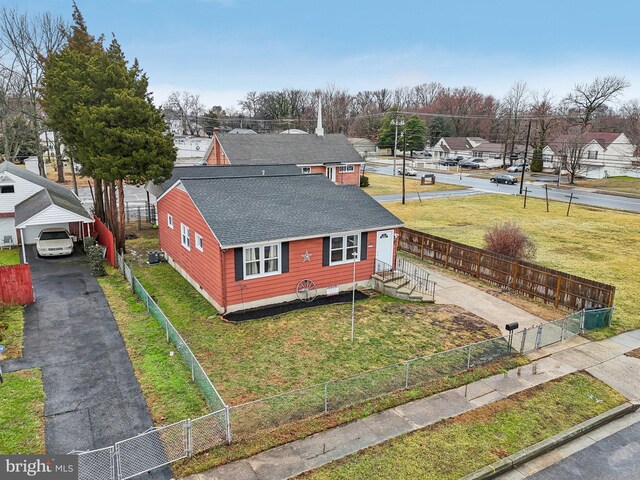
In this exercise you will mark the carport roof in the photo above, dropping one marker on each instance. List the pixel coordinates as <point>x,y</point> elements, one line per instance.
<point>44,199</point>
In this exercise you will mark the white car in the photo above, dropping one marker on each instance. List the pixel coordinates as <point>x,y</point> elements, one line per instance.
<point>53,242</point>
<point>517,168</point>
<point>409,172</point>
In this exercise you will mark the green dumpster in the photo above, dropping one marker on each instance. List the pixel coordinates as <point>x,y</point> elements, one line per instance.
<point>597,318</point>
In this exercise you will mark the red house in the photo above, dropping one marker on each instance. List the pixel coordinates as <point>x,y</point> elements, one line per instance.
<point>330,155</point>
<point>245,237</point>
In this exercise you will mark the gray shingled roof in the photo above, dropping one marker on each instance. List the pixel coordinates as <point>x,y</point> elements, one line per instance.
<point>53,194</point>
<point>287,149</point>
<point>211,171</point>
<point>37,202</point>
<point>260,209</point>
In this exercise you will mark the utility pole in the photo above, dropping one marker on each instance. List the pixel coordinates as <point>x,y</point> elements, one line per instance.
<point>396,123</point>
<point>404,162</point>
<point>526,150</point>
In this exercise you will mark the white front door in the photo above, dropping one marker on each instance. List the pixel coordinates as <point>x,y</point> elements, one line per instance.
<point>331,174</point>
<point>384,250</point>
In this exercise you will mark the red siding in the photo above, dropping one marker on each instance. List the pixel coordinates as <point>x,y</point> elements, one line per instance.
<point>203,267</point>
<point>15,285</point>
<point>105,238</point>
<point>284,284</point>
<point>351,178</point>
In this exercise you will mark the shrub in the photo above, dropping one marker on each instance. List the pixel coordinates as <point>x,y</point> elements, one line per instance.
<point>509,239</point>
<point>364,181</point>
<point>96,256</point>
<point>88,242</point>
<point>536,161</point>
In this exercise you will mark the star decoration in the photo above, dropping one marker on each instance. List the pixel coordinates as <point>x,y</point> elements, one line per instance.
<point>306,256</point>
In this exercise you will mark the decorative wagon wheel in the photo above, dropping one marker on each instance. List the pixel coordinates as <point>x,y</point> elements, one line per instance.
<point>306,290</point>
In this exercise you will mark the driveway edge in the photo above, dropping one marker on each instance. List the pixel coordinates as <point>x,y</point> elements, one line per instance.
<point>529,453</point>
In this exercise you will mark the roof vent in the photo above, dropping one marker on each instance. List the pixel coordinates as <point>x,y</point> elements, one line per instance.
<point>263,173</point>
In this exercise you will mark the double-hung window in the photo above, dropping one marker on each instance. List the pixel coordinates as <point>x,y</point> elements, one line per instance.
<point>343,248</point>
<point>592,154</point>
<point>184,236</point>
<point>262,260</point>
<point>346,168</point>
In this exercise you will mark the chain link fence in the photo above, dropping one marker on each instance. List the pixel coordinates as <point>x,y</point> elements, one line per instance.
<point>160,446</point>
<point>269,413</point>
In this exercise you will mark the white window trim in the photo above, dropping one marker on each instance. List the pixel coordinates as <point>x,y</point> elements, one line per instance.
<point>170,221</point>
<point>199,242</point>
<point>347,168</point>
<point>184,231</point>
<point>246,276</point>
<point>358,236</point>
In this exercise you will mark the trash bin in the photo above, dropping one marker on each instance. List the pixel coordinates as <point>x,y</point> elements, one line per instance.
<point>154,258</point>
<point>597,318</point>
<point>428,179</point>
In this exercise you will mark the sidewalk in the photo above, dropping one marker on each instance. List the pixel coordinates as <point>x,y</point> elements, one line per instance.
<point>605,360</point>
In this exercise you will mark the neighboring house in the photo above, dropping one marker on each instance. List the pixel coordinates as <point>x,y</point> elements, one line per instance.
<point>331,155</point>
<point>364,146</point>
<point>190,150</point>
<point>603,154</point>
<point>29,203</point>
<point>242,131</point>
<point>293,131</point>
<point>247,241</point>
<point>209,171</point>
<point>454,146</point>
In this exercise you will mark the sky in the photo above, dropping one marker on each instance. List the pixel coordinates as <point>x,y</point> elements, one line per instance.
<point>223,49</point>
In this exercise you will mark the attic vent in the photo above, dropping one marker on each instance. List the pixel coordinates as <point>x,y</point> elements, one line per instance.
<point>263,173</point>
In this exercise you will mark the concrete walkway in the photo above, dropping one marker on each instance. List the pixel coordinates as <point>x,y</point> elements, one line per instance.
<point>605,360</point>
<point>482,304</point>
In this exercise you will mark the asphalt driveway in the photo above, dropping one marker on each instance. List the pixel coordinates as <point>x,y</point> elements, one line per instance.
<point>93,398</point>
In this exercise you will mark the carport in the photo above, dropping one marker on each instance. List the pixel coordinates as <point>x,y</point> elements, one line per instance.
<point>48,209</point>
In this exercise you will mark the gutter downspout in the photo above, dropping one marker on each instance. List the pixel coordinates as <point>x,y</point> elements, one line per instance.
<point>224,282</point>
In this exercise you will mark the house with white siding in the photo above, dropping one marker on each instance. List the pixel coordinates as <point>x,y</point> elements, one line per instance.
<point>603,154</point>
<point>30,203</point>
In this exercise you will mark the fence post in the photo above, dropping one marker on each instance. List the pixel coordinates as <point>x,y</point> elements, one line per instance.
<point>562,332</point>
<point>515,275</point>
<point>166,329</point>
<point>582,318</point>
<point>468,357</point>
<point>522,342</point>
<point>478,265</point>
<point>228,413</point>
<point>557,299</point>
<point>326,400</point>
<point>422,248</point>
<point>406,375</point>
<point>539,336</point>
<point>189,450</point>
<point>446,259</point>
<point>193,374</point>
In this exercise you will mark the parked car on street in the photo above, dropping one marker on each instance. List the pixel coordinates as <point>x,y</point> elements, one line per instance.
<point>518,167</point>
<point>504,178</point>
<point>451,161</point>
<point>469,164</point>
<point>409,172</point>
<point>53,242</point>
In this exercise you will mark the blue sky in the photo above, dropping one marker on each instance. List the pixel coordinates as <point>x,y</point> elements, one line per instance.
<point>224,48</point>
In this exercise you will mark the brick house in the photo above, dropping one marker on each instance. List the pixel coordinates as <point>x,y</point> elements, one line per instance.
<point>247,240</point>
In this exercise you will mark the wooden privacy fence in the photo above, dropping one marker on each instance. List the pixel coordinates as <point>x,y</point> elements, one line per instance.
<point>15,285</point>
<point>105,238</point>
<point>536,281</point>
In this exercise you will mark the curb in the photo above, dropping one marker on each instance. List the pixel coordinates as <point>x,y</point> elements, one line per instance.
<point>529,453</point>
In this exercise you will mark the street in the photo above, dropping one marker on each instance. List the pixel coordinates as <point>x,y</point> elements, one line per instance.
<point>535,189</point>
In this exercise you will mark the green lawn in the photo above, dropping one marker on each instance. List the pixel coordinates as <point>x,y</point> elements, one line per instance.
<point>624,185</point>
<point>165,380</point>
<point>11,328</point>
<point>594,243</point>
<point>389,184</point>
<point>22,413</point>
<point>311,346</point>
<point>9,257</point>
<point>453,448</point>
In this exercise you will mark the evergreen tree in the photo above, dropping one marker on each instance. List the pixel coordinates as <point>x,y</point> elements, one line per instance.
<point>438,128</point>
<point>536,160</point>
<point>103,111</point>
<point>415,132</point>
<point>387,132</point>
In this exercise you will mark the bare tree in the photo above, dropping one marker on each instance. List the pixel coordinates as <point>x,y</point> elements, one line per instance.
<point>587,98</point>
<point>514,105</point>
<point>186,106</point>
<point>27,41</point>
